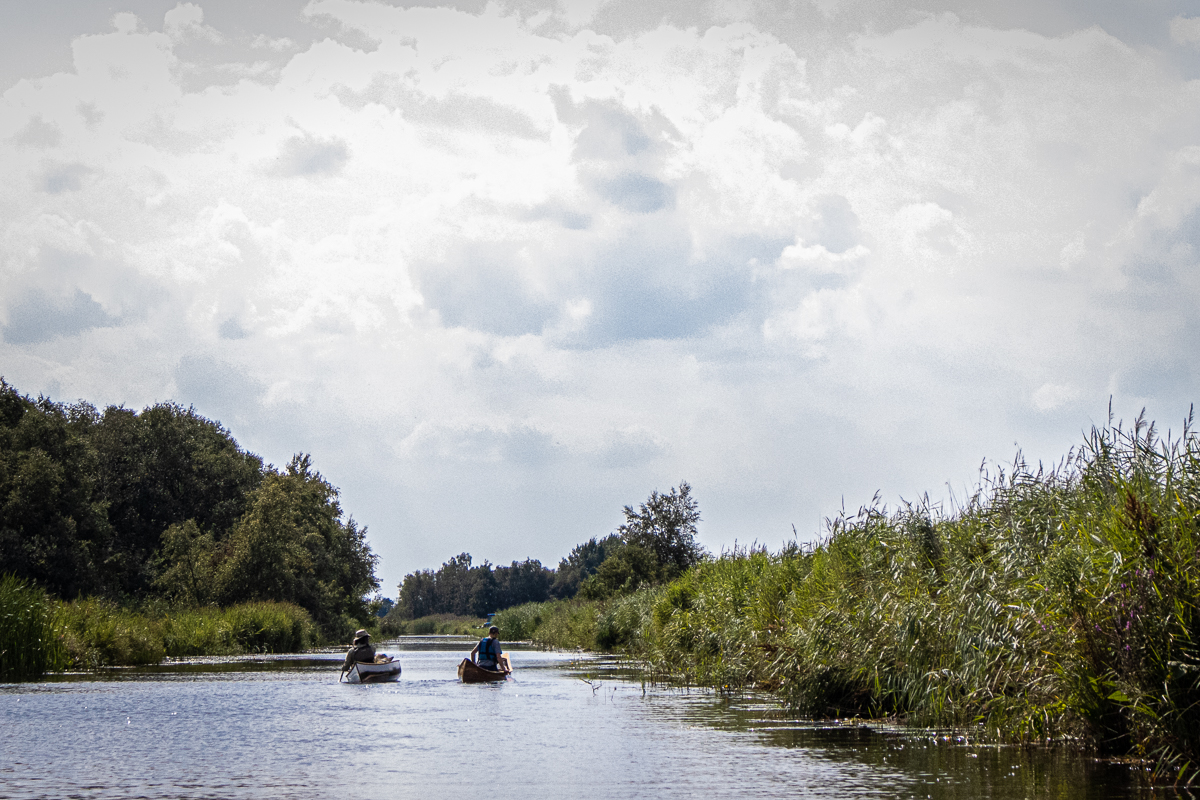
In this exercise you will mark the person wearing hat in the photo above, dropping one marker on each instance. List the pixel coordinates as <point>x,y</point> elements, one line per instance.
<point>488,650</point>
<point>362,651</point>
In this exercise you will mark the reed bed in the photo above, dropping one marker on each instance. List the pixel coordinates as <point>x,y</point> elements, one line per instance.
<point>30,637</point>
<point>98,633</point>
<point>1056,605</point>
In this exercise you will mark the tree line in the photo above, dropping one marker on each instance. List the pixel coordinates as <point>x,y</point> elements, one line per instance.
<point>655,544</point>
<point>163,504</point>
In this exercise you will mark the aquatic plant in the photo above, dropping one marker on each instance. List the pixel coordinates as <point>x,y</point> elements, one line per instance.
<point>561,624</point>
<point>99,633</point>
<point>1054,605</point>
<point>30,643</point>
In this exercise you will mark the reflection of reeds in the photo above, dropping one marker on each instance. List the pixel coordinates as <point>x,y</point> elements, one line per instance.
<point>29,631</point>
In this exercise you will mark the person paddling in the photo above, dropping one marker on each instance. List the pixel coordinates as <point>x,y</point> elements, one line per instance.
<point>362,651</point>
<point>489,651</point>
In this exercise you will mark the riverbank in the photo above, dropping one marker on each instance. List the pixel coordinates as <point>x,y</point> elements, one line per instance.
<point>39,634</point>
<point>1055,606</point>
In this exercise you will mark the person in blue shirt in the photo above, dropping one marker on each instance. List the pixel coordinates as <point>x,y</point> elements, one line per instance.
<point>488,650</point>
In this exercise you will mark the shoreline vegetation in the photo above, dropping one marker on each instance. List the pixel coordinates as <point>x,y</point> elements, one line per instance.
<point>127,537</point>
<point>1056,606</point>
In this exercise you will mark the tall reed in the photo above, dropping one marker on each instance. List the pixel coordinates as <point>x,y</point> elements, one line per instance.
<point>1055,605</point>
<point>98,633</point>
<point>30,641</point>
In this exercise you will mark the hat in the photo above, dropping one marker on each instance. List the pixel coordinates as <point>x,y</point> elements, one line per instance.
<point>361,634</point>
<point>493,629</point>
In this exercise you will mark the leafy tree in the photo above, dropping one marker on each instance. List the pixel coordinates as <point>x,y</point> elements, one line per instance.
<point>187,564</point>
<point>627,569</point>
<point>665,525</point>
<point>161,468</point>
<point>657,543</point>
<point>582,562</point>
<point>418,595</point>
<point>524,582</point>
<point>53,528</point>
<point>293,545</point>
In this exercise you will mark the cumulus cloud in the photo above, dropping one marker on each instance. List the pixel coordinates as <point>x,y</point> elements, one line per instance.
<point>1185,30</point>
<point>601,246</point>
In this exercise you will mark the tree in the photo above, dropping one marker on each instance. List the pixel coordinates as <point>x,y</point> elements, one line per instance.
<point>524,582</point>
<point>53,528</point>
<point>293,545</point>
<point>582,562</point>
<point>186,563</point>
<point>627,569</point>
<point>160,468</point>
<point>665,525</point>
<point>417,595</point>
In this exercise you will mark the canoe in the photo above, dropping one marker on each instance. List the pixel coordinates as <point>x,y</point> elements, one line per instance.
<point>470,672</point>
<point>374,673</point>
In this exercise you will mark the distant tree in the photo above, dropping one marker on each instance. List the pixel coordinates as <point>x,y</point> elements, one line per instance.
<point>582,562</point>
<point>665,525</point>
<point>656,543</point>
<point>628,568</point>
<point>417,595</point>
<point>380,606</point>
<point>524,582</point>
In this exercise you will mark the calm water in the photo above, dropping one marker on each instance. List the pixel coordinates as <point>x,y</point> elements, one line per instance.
<point>284,727</point>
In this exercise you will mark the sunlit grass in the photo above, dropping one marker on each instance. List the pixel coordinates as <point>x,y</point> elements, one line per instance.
<point>99,633</point>
<point>30,644</point>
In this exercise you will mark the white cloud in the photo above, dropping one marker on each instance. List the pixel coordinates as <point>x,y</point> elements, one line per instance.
<point>520,252</point>
<point>1051,396</point>
<point>1185,30</point>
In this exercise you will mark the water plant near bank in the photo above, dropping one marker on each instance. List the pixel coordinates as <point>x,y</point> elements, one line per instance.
<point>29,631</point>
<point>98,633</point>
<point>1055,605</point>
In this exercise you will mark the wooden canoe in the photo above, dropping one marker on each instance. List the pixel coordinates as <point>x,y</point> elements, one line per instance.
<point>374,673</point>
<point>470,672</point>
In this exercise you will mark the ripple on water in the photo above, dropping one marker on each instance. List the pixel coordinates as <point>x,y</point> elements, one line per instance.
<point>282,727</point>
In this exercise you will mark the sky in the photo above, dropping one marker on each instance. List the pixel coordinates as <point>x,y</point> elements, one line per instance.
<point>504,268</point>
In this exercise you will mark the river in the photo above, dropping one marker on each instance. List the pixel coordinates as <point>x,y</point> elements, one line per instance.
<point>283,727</point>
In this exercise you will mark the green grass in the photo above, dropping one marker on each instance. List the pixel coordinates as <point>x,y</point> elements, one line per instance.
<point>30,640</point>
<point>98,633</point>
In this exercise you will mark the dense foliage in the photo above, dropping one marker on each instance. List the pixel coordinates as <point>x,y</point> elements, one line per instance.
<point>1058,605</point>
<point>163,504</point>
<point>656,542</point>
<point>463,589</point>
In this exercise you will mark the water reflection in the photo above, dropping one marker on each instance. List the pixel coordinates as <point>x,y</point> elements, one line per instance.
<point>284,727</point>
